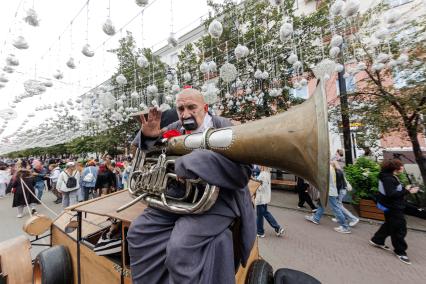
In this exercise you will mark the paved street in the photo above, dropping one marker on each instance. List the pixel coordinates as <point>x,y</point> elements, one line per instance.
<point>318,250</point>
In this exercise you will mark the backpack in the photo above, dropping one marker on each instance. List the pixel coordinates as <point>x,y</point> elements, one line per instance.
<point>71,181</point>
<point>89,177</point>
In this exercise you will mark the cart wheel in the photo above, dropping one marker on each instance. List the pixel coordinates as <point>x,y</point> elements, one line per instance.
<point>260,272</point>
<point>53,266</point>
<point>291,276</point>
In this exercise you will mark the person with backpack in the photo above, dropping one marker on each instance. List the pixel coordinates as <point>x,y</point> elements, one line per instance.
<point>90,173</point>
<point>68,184</point>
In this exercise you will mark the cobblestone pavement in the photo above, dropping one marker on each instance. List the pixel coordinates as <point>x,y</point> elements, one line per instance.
<point>316,249</point>
<point>340,258</point>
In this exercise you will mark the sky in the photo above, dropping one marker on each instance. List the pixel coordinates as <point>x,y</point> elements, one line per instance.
<point>55,40</point>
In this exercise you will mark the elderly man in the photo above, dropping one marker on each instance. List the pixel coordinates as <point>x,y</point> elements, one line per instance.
<point>171,248</point>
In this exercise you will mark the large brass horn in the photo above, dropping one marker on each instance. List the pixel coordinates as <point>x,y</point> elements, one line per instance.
<point>295,141</point>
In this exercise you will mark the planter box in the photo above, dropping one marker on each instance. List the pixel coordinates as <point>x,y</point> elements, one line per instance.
<point>367,209</point>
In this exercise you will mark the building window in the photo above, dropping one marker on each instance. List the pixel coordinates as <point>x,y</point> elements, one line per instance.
<point>395,3</point>
<point>300,93</point>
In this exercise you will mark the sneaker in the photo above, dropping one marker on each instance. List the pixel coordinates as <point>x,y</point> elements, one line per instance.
<point>334,220</point>
<point>385,247</point>
<point>300,207</point>
<point>20,215</point>
<point>354,222</point>
<point>314,210</point>
<point>311,219</point>
<point>342,230</point>
<point>404,259</point>
<point>108,244</point>
<point>280,232</point>
<point>260,235</point>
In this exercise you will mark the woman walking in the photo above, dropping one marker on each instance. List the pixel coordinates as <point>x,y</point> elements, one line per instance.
<point>263,197</point>
<point>21,195</point>
<point>391,201</point>
<point>68,184</point>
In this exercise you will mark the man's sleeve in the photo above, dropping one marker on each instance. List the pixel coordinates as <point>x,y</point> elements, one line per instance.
<point>213,168</point>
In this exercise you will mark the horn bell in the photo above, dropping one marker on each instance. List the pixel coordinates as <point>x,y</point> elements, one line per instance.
<point>295,141</point>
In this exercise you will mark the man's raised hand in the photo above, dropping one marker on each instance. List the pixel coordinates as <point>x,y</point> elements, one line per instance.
<point>151,126</point>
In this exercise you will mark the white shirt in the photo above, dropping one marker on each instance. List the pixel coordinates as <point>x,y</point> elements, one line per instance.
<point>263,193</point>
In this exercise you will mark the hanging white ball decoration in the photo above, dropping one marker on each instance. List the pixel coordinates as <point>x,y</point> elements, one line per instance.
<point>11,60</point>
<point>204,67</point>
<point>292,58</point>
<point>87,50</point>
<point>31,18</point>
<point>361,66</point>
<point>175,89</point>
<point>337,7</point>
<point>141,3</point>
<point>8,69</point>
<point>20,43</point>
<point>402,59</point>
<point>297,66</point>
<point>167,84</point>
<point>134,95</point>
<point>212,67</point>
<point>258,74</point>
<point>228,72</point>
<point>108,27</point>
<point>303,82</point>
<point>265,75</point>
<point>3,79</point>
<point>187,76</point>
<point>121,80</point>
<point>142,61</point>
<point>392,17</point>
<point>169,77</point>
<point>339,68</point>
<point>383,58</point>
<point>172,40</point>
<point>381,33</point>
<point>275,3</point>
<point>215,29</point>
<point>241,51</point>
<point>143,106</point>
<point>70,63</point>
<point>337,40</point>
<point>378,66</point>
<point>285,31</point>
<point>152,89</point>
<point>351,8</point>
<point>334,52</point>
<point>58,75</point>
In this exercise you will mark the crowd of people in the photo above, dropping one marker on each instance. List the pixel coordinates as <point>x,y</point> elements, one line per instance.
<point>70,181</point>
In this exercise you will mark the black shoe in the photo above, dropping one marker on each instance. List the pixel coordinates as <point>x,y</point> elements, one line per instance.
<point>404,259</point>
<point>57,201</point>
<point>385,247</point>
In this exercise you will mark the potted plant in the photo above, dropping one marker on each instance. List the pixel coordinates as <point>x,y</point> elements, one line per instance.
<point>363,176</point>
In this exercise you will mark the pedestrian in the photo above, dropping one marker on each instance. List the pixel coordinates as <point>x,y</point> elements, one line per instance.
<point>68,185</point>
<point>40,174</point>
<point>339,156</point>
<point>342,188</point>
<point>335,207</point>
<point>391,201</point>
<point>4,179</point>
<point>105,180</point>
<point>55,171</point>
<point>263,197</point>
<point>89,176</point>
<point>302,189</point>
<point>22,183</point>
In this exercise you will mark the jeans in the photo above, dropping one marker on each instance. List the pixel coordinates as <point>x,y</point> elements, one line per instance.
<point>348,215</point>
<point>86,191</point>
<point>394,226</point>
<point>337,211</point>
<point>69,198</point>
<point>262,212</point>
<point>39,187</point>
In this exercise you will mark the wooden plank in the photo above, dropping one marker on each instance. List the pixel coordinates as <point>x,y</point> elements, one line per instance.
<point>372,215</point>
<point>16,260</point>
<point>283,182</point>
<point>240,277</point>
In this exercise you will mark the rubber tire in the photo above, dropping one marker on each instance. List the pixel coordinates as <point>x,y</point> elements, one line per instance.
<point>260,272</point>
<point>291,276</point>
<point>55,266</point>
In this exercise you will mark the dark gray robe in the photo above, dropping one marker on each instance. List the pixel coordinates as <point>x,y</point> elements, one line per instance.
<point>171,248</point>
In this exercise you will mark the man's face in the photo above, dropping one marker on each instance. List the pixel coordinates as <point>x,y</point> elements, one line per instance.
<point>37,165</point>
<point>191,109</point>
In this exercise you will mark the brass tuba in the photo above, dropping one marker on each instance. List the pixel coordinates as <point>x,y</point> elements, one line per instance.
<point>295,141</point>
